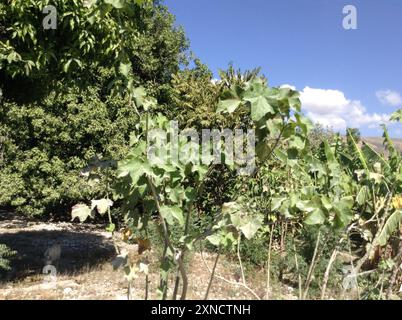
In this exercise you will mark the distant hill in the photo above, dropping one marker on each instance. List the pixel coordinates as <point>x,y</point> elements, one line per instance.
<point>377,143</point>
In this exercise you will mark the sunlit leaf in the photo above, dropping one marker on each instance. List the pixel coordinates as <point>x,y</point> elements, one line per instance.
<point>81,211</point>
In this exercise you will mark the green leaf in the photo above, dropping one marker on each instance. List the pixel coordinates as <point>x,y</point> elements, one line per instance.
<point>263,150</point>
<point>214,239</point>
<point>329,153</point>
<point>253,224</point>
<point>259,108</point>
<point>190,194</point>
<point>362,195</point>
<point>230,207</point>
<point>390,227</point>
<point>118,4</point>
<point>88,3</point>
<point>139,95</point>
<point>228,105</point>
<point>377,177</point>
<point>284,209</point>
<point>296,142</point>
<point>169,213</point>
<point>256,95</point>
<point>343,212</point>
<point>125,68</point>
<point>176,195</point>
<point>316,217</point>
<point>281,155</point>
<point>66,66</point>
<point>135,167</point>
<point>276,203</point>
<point>230,100</point>
<point>373,156</point>
<point>316,166</point>
<point>358,151</point>
<point>397,116</point>
<point>111,227</point>
<point>81,211</point>
<point>101,205</point>
<point>304,123</point>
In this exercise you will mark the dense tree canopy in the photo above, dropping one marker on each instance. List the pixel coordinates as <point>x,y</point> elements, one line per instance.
<point>66,92</point>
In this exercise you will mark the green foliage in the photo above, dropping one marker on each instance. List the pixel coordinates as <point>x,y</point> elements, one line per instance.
<point>57,112</point>
<point>318,135</point>
<point>88,35</point>
<point>392,224</point>
<point>79,101</point>
<point>397,115</point>
<point>192,99</point>
<point>5,255</point>
<point>51,141</point>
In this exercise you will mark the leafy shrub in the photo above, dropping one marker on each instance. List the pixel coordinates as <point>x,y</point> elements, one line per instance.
<point>49,142</point>
<point>89,35</point>
<point>5,254</point>
<point>56,109</point>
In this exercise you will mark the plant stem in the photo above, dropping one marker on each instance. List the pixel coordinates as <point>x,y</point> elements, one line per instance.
<point>240,262</point>
<point>363,260</point>
<point>146,287</point>
<point>212,276</point>
<point>167,239</point>
<point>327,272</point>
<point>176,285</point>
<point>129,291</point>
<point>312,266</point>
<point>269,261</point>
<point>298,272</point>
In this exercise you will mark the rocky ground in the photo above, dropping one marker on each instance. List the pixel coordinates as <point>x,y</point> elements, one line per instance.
<point>84,270</point>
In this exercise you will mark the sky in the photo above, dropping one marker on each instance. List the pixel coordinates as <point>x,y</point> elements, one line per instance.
<point>346,77</point>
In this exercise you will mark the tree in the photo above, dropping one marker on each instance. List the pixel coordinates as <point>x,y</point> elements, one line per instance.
<point>66,93</point>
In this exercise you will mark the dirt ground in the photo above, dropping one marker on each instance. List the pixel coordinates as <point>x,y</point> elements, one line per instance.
<point>84,269</point>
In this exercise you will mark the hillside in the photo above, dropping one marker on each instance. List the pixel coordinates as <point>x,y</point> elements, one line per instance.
<point>377,142</point>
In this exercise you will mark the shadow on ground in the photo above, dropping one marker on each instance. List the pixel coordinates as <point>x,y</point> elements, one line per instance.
<point>78,251</point>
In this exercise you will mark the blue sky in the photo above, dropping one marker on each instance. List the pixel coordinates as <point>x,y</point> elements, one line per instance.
<point>346,77</point>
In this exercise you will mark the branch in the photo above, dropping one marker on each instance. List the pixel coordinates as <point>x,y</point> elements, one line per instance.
<point>168,242</point>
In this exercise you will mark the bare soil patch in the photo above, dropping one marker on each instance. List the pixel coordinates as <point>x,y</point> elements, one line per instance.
<point>84,269</point>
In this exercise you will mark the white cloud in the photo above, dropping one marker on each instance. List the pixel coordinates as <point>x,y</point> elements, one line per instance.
<point>331,108</point>
<point>288,86</point>
<point>389,97</point>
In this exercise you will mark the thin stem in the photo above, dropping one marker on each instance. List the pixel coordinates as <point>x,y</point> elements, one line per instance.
<point>176,285</point>
<point>312,266</point>
<point>167,239</point>
<point>269,261</point>
<point>240,262</point>
<point>212,276</point>
<point>327,272</point>
<point>298,272</point>
<point>163,282</point>
<point>363,260</point>
<point>146,287</point>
